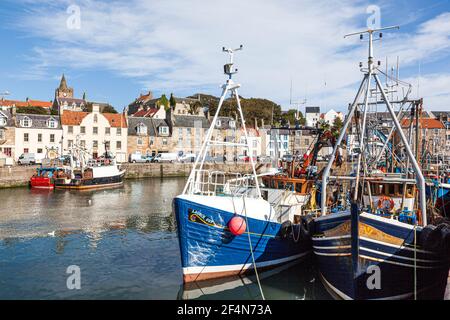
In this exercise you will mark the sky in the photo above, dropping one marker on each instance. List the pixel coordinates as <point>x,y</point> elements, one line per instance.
<point>115,50</point>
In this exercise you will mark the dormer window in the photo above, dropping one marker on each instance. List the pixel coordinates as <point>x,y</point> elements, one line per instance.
<point>141,129</point>
<point>218,123</point>
<point>232,124</point>
<point>26,122</point>
<point>163,130</point>
<point>51,123</point>
<point>2,121</point>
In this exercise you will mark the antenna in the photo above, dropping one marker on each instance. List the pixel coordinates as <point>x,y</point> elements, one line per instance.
<point>228,67</point>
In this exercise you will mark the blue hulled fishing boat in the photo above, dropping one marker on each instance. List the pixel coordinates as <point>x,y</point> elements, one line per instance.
<point>381,246</point>
<point>225,225</point>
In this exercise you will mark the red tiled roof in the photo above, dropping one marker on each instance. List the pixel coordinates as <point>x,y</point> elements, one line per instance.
<point>426,123</point>
<point>29,103</point>
<point>145,113</point>
<point>74,118</point>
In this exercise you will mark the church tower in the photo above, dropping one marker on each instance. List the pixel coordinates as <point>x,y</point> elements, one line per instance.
<point>63,91</point>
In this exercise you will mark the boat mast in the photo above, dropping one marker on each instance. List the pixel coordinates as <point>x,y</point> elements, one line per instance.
<point>229,87</point>
<point>371,71</point>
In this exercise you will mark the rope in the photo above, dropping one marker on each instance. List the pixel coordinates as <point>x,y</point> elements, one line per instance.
<point>415,261</point>
<point>251,250</point>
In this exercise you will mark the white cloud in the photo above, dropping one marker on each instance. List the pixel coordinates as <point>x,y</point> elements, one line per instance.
<point>175,45</point>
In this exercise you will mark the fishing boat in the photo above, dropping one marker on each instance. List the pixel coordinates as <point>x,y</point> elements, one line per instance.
<point>225,225</point>
<point>43,178</point>
<point>88,174</point>
<point>383,245</point>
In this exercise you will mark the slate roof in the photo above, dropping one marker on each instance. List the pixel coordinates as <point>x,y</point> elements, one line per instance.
<point>225,123</point>
<point>151,124</point>
<point>189,121</point>
<point>9,118</point>
<point>312,110</point>
<point>39,121</point>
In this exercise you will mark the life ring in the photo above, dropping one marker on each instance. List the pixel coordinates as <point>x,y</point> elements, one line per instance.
<point>386,202</point>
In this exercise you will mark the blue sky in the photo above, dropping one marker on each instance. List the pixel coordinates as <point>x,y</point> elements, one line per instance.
<point>123,48</point>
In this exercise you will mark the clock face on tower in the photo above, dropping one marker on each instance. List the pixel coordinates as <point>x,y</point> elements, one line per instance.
<point>65,94</point>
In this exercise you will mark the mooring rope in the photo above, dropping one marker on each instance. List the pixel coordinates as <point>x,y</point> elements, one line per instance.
<point>251,250</point>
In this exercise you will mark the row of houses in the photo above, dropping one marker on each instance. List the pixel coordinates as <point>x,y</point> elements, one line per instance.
<point>152,125</point>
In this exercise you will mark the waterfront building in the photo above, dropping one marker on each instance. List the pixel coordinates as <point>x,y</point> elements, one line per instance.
<point>95,131</point>
<point>7,137</point>
<point>277,142</point>
<point>148,136</point>
<point>188,133</point>
<point>331,115</point>
<point>312,115</point>
<point>254,144</point>
<point>37,133</point>
<point>225,130</point>
<point>433,135</point>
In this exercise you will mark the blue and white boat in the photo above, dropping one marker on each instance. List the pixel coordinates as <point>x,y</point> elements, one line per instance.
<point>225,226</point>
<point>382,246</point>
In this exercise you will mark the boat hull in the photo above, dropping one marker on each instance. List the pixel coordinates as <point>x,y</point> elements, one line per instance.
<point>209,250</point>
<point>89,184</point>
<point>41,183</point>
<point>380,264</point>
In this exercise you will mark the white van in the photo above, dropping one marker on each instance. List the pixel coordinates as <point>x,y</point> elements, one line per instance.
<point>166,157</point>
<point>30,158</point>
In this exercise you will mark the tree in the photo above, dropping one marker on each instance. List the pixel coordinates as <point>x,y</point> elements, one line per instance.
<point>194,108</point>
<point>172,101</point>
<point>109,109</point>
<point>337,123</point>
<point>163,102</point>
<point>290,116</point>
<point>322,124</point>
<point>32,110</point>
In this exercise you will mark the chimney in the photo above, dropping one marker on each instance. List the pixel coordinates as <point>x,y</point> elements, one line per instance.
<point>95,108</point>
<point>256,123</point>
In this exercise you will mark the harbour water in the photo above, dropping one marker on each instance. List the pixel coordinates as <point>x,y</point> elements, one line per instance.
<point>124,242</point>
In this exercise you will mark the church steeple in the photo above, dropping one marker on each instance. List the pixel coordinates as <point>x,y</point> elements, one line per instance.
<point>63,83</point>
<point>63,91</point>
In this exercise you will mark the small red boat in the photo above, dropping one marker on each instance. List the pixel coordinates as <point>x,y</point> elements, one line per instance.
<point>43,178</point>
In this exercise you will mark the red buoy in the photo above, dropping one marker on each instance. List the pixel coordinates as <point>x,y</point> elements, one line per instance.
<point>237,225</point>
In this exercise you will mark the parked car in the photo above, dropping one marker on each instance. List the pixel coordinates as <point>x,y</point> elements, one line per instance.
<point>187,157</point>
<point>287,158</point>
<point>140,158</point>
<point>264,159</point>
<point>30,158</point>
<point>165,157</point>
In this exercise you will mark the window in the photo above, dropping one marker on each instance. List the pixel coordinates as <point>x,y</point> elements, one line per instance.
<point>39,137</point>
<point>25,150</point>
<point>52,138</point>
<point>188,131</point>
<point>70,143</point>
<point>39,150</point>
<point>7,152</point>
<point>232,124</point>
<point>255,143</point>
<point>26,137</point>
<point>70,129</point>
<point>118,145</point>
<point>2,134</point>
<point>26,122</point>
<point>95,144</point>
<point>165,142</point>
<point>141,129</point>
<point>107,131</point>
<point>94,130</point>
<point>82,129</point>
<point>436,132</point>
<point>139,141</point>
<point>119,131</point>
<point>151,141</point>
<point>95,118</point>
<point>51,123</point>
<point>2,121</point>
<point>83,143</point>
<point>163,130</point>
<point>107,144</point>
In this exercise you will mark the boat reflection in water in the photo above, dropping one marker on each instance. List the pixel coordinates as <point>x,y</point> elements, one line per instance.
<point>293,281</point>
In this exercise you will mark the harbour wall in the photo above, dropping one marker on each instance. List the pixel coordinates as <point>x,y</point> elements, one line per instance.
<point>19,176</point>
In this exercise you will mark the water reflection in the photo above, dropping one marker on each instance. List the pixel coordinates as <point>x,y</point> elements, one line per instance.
<point>146,207</point>
<point>295,281</point>
<point>124,241</point>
